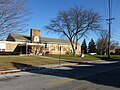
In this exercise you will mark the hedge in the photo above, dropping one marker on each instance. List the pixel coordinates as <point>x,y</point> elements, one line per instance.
<point>9,53</point>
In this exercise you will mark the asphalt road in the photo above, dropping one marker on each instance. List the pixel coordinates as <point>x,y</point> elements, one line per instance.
<point>85,76</point>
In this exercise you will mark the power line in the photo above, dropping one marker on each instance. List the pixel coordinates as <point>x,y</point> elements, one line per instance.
<point>111,7</point>
<point>116,8</point>
<point>105,10</point>
<point>115,35</point>
<point>114,28</point>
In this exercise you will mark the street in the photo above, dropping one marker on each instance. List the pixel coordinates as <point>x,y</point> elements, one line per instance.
<point>85,76</point>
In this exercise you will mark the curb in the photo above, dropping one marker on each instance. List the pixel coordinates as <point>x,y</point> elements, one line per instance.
<point>20,70</point>
<point>9,71</point>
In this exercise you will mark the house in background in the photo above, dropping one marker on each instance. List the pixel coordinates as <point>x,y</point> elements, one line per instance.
<point>35,44</point>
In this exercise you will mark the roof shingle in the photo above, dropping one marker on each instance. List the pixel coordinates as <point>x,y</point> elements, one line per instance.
<point>23,38</point>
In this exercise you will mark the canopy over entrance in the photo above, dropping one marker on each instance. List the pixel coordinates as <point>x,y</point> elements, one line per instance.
<point>31,48</point>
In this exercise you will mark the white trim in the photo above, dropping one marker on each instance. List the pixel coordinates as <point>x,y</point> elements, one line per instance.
<point>12,42</point>
<point>36,44</point>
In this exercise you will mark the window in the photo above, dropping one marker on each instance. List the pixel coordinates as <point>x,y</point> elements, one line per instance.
<point>3,50</point>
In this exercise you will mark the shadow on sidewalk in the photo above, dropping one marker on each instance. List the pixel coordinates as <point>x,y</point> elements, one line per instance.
<point>110,78</point>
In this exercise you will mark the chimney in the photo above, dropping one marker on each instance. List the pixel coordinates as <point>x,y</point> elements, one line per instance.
<point>35,36</point>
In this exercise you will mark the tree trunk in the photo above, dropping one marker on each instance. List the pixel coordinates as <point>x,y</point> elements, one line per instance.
<point>76,44</point>
<point>73,49</point>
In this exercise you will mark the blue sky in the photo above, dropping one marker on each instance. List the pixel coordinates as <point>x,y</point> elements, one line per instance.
<point>45,10</point>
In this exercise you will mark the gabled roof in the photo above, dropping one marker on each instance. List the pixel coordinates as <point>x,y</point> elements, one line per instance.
<point>53,40</point>
<point>20,38</point>
<point>23,38</point>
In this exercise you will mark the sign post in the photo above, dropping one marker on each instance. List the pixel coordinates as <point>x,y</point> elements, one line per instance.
<point>26,49</point>
<point>60,55</point>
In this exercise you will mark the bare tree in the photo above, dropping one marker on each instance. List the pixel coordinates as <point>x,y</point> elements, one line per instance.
<point>102,43</point>
<point>74,24</point>
<point>13,16</point>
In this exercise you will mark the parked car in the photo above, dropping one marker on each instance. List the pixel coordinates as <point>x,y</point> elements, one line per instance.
<point>93,53</point>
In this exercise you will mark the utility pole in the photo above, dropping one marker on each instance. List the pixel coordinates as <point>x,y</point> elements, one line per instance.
<point>109,27</point>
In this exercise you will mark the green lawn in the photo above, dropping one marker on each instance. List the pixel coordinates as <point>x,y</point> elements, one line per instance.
<point>76,58</point>
<point>23,61</point>
<point>111,56</point>
<point>86,58</point>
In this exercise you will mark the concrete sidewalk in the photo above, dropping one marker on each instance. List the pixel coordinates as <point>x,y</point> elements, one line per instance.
<point>14,70</point>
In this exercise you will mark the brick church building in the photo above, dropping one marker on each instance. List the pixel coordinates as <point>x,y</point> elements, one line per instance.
<point>35,44</point>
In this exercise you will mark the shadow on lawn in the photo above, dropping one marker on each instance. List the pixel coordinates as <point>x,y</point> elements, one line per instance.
<point>110,78</point>
<point>108,59</point>
<point>20,65</point>
<point>24,67</point>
